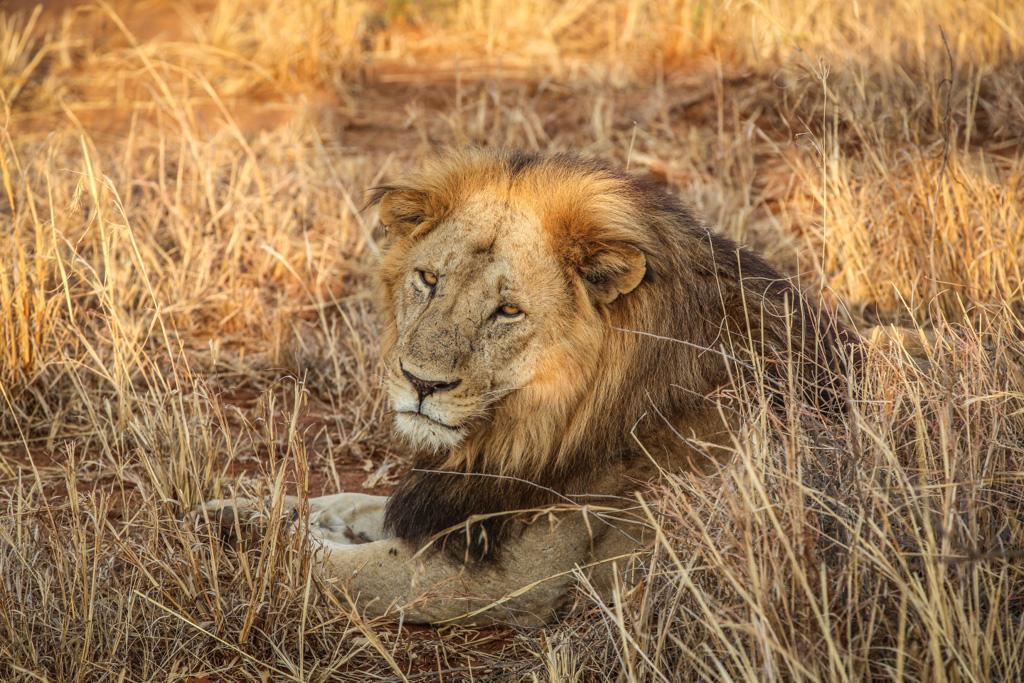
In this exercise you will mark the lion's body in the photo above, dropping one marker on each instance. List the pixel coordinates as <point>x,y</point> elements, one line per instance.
<point>543,318</point>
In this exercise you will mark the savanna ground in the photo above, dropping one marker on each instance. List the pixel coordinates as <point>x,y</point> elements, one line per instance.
<point>185,311</point>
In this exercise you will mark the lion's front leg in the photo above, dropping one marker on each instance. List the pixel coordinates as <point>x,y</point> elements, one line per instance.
<point>341,519</point>
<point>389,575</point>
<point>527,586</point>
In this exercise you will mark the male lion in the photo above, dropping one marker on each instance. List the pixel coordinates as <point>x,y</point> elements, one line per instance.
<point>554,333</point>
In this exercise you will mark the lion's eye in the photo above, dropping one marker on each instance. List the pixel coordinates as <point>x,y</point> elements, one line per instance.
<point>428,278</point>
<point>508,311</point>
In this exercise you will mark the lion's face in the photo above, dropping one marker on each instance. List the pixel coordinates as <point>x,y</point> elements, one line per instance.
<point>498,281</point>
<point>477,302</point>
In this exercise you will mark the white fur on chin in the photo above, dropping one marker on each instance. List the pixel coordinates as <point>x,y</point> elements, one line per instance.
<point>424,433</point>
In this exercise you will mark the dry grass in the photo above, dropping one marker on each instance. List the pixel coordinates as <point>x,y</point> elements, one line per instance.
<point>184,311</point>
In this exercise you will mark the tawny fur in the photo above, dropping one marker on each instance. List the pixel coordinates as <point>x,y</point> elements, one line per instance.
<point>656,314</point>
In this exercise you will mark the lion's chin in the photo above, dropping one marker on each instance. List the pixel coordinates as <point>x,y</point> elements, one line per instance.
<point>423,432</point>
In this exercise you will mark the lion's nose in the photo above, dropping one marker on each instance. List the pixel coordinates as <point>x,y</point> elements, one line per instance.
<point>426,387</point>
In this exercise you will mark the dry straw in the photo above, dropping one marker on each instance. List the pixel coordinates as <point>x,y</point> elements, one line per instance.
<point>184,313</point>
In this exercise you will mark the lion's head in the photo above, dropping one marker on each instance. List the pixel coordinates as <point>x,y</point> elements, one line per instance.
<point>495,285</point>
<point>479,303</point>
<point>535,309</point>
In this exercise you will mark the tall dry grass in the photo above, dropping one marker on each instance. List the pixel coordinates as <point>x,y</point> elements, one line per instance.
<point>184,312</point>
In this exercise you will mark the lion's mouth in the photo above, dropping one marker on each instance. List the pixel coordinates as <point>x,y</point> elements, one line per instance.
<point>431,420</point>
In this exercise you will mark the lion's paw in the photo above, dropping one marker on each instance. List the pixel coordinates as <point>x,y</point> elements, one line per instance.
<point>234,520</point>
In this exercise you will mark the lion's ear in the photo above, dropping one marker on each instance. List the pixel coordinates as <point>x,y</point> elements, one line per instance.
<point>401,209</point>
<point>612,271</point>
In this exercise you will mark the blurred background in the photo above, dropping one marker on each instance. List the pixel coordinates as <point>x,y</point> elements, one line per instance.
<point>186,310</point>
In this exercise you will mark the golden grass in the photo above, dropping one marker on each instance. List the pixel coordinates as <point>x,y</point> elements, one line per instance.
<point>184,311</point>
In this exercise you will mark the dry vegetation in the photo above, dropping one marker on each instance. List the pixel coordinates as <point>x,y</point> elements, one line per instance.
<point>184,311</point>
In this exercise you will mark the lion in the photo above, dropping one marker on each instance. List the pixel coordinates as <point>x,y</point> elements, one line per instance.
<point>555,333</point>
